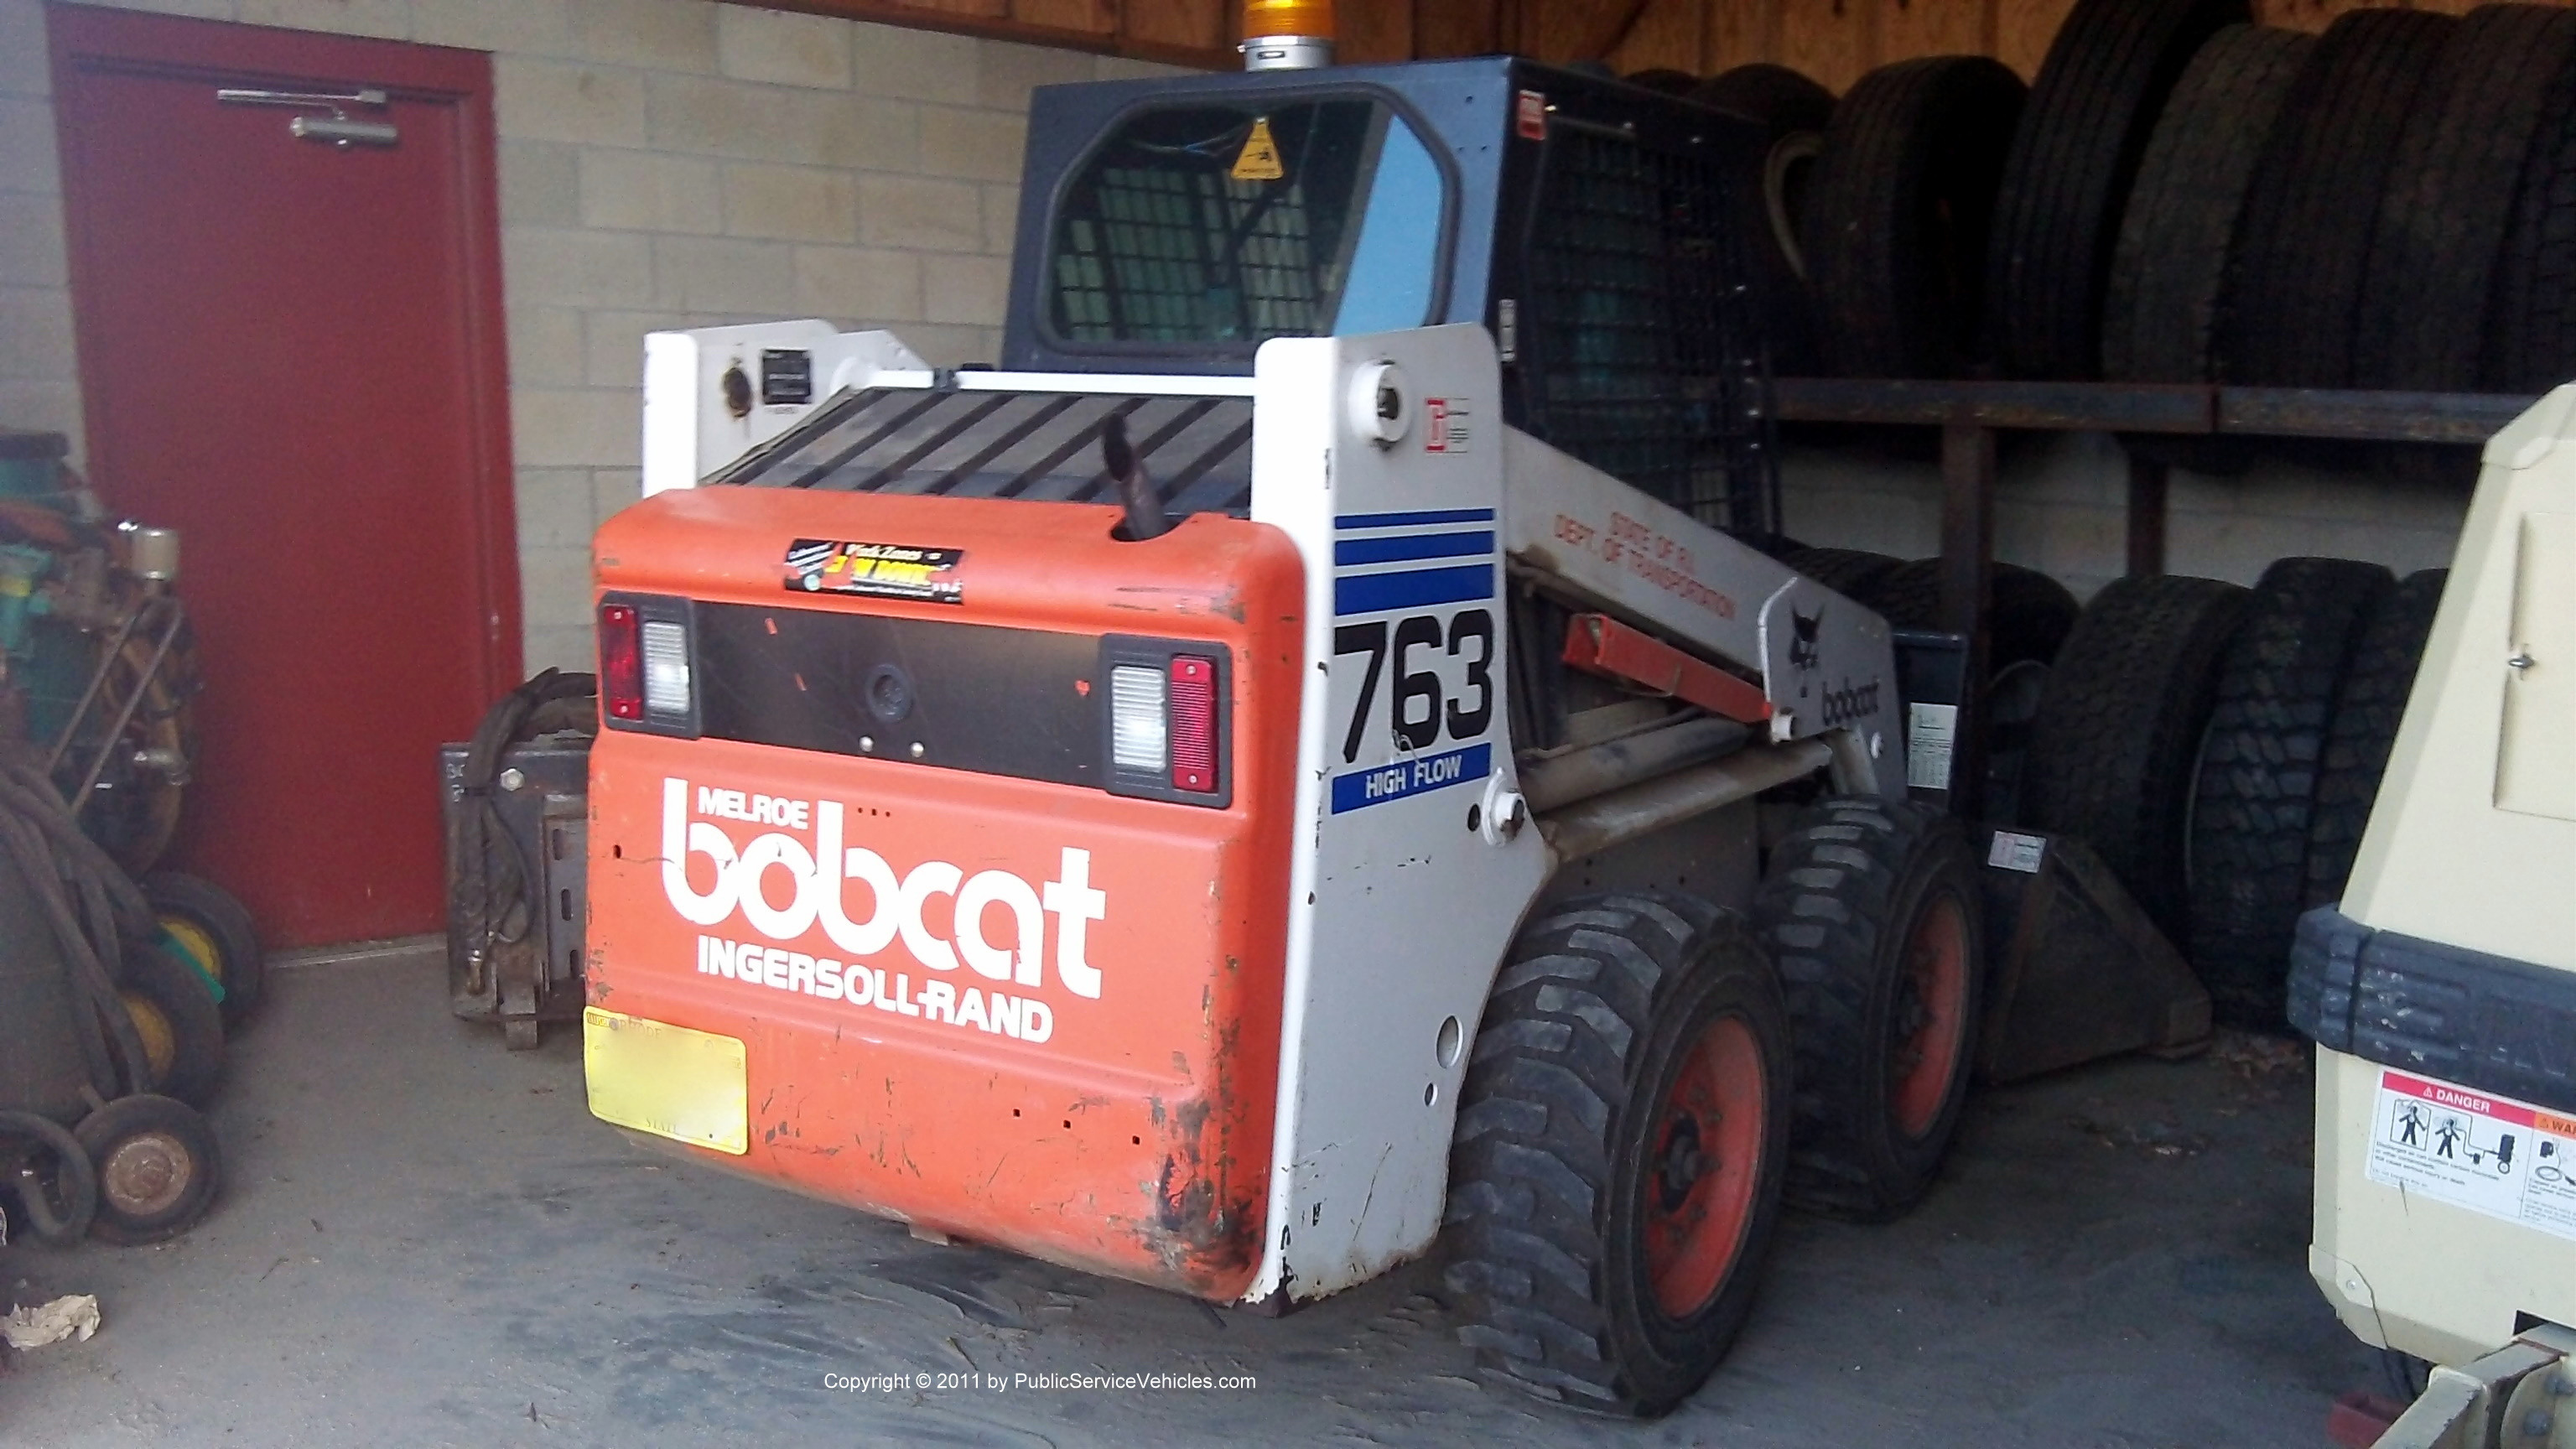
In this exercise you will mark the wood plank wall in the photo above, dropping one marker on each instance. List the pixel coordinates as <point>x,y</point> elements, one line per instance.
<point>1833,40</point>
<point>1836,41</point>
<point>1181,32</point>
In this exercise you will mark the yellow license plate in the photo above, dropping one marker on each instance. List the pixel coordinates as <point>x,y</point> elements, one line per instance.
<point>689,1086</point>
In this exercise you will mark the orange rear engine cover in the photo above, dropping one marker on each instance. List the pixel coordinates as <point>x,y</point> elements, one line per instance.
<point>1081,1065</point>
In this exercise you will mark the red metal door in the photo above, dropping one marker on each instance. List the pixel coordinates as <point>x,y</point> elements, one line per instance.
<point>291,352</point>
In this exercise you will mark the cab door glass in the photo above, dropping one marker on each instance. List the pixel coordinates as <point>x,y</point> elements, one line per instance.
<point>1397,259</point>
<point>1230,223</point>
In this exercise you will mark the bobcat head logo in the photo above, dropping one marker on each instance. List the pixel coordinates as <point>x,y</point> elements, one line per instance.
<point>1802,638</point>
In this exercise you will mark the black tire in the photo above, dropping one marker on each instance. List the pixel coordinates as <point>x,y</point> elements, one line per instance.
<point>2258,778</point>
<point>1847,571</point>
<point>1793,112</point>
<point>1664,80</point>
<point>2113,749</point>
<point>2367,711</point>
<point>58,1207</point>
<point>1568,1143</point>
<point>1870,908</point>
<point>158,1168</point>
<point>2449,197</point>
<point>2287,312</point>
<point>163,987</point>
<point>2161,308</point>
<point>222,920</point>
<point>2531,328</point>
<point>1898,212</point>
<point>1776,96</point>
<point>2028,614</point>
<point>2013,695</point>
<point>2057,216</point>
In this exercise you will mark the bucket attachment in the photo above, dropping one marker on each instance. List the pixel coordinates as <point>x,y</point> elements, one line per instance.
<point>2080,972</point>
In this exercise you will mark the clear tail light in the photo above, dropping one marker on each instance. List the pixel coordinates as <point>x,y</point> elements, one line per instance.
<point>666,667</point>
<point>1139,732</point>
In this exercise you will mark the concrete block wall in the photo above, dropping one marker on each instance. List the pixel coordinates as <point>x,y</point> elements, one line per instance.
<point>663,163</point>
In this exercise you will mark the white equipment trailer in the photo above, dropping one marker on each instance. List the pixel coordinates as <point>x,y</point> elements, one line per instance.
<point>2442,991</point>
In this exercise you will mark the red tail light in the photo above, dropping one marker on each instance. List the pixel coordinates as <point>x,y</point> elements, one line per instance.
<point>621,662</point>
<point>1193,728</point>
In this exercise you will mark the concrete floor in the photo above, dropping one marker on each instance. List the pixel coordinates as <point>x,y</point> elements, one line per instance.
<point>427,1241</point>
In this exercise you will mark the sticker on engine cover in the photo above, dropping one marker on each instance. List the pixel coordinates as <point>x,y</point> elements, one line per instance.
<point>877,570</point>
<point>2489,1154</point>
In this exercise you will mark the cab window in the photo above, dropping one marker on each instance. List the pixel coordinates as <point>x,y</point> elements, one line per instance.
<point>1227,223</point>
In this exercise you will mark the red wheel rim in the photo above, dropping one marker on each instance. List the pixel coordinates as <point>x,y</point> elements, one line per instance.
<point>1931,1015</point>
<point>1703,1157</point>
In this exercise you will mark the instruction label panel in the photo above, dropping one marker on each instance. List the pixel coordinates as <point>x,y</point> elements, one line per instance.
<point>2488,1154</point>
<point>1931,732</point>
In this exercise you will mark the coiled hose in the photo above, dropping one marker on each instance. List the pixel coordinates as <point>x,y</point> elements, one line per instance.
<point>75,1180</point>
<point>93,908</point>
<point>550,702</point>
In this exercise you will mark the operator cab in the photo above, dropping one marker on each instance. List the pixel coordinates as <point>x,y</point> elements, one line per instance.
<point>1590,226</point>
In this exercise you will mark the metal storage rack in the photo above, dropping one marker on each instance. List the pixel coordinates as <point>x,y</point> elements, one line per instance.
<point>1970,414</point>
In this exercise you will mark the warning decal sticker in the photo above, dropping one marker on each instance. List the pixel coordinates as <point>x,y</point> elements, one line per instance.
<point>1529,115</point>
<point>1259,158</point>
<point>2488,1154</point>
<point>877,570</point>
<point>1445,427</point>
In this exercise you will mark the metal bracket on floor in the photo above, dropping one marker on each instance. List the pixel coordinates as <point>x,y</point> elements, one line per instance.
<point>2079,971</point>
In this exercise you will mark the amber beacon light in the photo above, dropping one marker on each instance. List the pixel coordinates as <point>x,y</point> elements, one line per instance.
<point>1287,34</point>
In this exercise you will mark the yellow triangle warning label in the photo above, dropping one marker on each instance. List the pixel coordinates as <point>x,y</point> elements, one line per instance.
<point>1259,158</point>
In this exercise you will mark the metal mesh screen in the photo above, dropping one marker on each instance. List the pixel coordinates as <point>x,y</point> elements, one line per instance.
<point>1177,256</point>
<point>1212,223</point>
<point>1646,360</point>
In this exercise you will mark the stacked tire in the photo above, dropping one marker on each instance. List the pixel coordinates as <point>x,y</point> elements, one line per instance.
<point>2261,758</point>
<point>2220,747</point>
<point>1793,113</point>
<point>2160,314</point>
<point>2182,196</point>
<point>1897,216</point>
<point>2066,183</point>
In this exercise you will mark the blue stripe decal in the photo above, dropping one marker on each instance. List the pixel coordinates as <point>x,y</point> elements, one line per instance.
<point>1412,589</point>
<point>1414,520</point>
<point>1390,547</point>
<point>1362,788</point>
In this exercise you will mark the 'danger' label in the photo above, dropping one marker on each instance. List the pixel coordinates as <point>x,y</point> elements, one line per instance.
<point>2475,1150</point>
